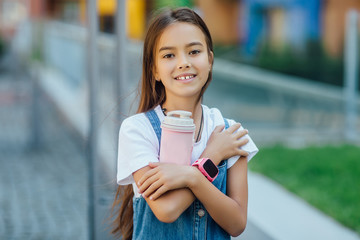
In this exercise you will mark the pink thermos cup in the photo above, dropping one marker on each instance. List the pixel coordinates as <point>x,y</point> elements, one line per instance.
<point>177,138</point>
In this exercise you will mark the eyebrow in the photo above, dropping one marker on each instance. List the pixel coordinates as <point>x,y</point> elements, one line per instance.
<point>187,45</point>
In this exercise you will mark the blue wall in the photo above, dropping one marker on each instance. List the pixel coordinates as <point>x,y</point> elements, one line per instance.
<point>302,22</point>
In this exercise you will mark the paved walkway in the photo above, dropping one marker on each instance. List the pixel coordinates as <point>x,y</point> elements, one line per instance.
<point>34,202</point>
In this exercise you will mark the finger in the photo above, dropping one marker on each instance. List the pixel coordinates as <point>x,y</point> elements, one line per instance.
<point>219,128</point>
<point>152,188</point>
<point>148,183</point>
<point>243,153</point>
<point>242,141</point>
<point>234,127</point>
<point>160,191</point>
<point>241,133</point>
<point>154,164</point>
<point>146,175</point>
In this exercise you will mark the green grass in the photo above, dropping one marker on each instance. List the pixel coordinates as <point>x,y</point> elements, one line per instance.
<point>326,177</point>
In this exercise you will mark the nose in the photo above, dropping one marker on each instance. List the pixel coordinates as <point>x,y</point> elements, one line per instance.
<point>183,62</point>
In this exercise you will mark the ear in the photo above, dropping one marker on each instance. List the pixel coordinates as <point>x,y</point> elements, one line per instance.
<point>157,78</point>
<point>211,59</point>
<point>156,75</point>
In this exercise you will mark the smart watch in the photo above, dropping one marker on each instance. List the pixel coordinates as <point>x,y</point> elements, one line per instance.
<point>207,168</point>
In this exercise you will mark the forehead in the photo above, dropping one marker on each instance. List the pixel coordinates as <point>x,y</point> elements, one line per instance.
<point>179,34</point>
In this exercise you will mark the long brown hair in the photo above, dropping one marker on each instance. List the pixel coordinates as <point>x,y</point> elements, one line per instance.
<point>152,93</point>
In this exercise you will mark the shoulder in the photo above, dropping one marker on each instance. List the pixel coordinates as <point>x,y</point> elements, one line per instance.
<point>138,124</point>
<point>138,130</point>
<point>215,116</point>
<point>133,124</point>
<point>215,119</point>
<point>137,146</point>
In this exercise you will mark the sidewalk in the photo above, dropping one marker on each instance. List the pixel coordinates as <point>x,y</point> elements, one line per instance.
<point>43,192</point>
<point>282,215</point>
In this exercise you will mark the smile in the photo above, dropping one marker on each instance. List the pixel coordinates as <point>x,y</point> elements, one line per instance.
<point>188,77</point>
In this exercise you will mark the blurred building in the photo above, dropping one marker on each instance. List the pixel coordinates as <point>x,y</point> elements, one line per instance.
<point>75,11</point>
<point>334,14</point>
<point>293,23</point>
<point>279,23</point>
<point>222,19</point>
<point>12,12</point>
<point>249,24</point>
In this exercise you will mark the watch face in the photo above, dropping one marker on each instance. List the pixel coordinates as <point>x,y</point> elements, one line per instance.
<point>210,168</point>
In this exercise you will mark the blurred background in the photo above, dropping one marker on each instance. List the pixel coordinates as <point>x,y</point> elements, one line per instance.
<point>287,70</point>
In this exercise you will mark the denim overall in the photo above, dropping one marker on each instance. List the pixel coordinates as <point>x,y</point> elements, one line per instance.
<point>194,223</point>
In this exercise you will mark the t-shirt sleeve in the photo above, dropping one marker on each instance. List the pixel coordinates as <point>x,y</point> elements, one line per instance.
<point>138,146</point>
<point>250,147</point>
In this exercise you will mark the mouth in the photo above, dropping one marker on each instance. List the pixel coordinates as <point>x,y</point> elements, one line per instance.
<point>185,78</point>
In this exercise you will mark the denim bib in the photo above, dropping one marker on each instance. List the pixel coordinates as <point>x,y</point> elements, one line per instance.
<point>194,223</point>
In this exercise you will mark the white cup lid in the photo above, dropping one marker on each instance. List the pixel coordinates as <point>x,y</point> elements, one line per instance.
<point>179,120</point>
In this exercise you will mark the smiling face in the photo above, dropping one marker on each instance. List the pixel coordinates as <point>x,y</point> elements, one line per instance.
<point>182,61</point>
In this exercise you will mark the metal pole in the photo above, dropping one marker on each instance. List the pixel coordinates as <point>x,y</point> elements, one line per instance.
<point>35,107</point>
<point>121,57</point>
<point>351,72</point>
<point>22,67</point>
<point>92,75</point>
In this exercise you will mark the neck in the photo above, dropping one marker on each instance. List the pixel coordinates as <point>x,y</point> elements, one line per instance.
<point>190,105</point>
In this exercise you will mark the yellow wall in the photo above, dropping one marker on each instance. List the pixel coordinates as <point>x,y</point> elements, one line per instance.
<point>106,7</point>
<point>135,10</point>
<point>136,18</point>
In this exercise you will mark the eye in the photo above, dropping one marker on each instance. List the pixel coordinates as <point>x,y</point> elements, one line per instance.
<point>194,52</point>
<point>169,55</point>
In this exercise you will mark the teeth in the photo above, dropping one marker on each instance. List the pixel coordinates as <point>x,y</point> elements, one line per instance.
<point>185,78</point>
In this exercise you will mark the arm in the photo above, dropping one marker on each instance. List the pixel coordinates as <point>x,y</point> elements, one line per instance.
<point>231,214</point>
<point>171,204</point>
<point>172,196</point>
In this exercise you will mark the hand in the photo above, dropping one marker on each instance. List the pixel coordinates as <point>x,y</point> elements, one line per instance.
<point>225,144</point>
<point>164,177</point>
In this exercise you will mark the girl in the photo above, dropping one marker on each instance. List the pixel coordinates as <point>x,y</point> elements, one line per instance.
<point>168,201</point>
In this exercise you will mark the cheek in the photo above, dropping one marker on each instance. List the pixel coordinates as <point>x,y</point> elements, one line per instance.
<point>164,67</point>
<point>203,64</point>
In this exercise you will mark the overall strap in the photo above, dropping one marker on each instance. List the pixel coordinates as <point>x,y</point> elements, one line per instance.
<point>226,123</point>
<point>155,123</point>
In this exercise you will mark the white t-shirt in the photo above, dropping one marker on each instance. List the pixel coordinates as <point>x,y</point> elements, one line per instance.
<point>139,145</point>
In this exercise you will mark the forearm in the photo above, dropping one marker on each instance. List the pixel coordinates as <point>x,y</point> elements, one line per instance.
<point>228,210</point>
<point>173,200</point>
<point>172,204</point>
<point>212,154</point>
<point>178,200</point>
<point>225,211</point>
